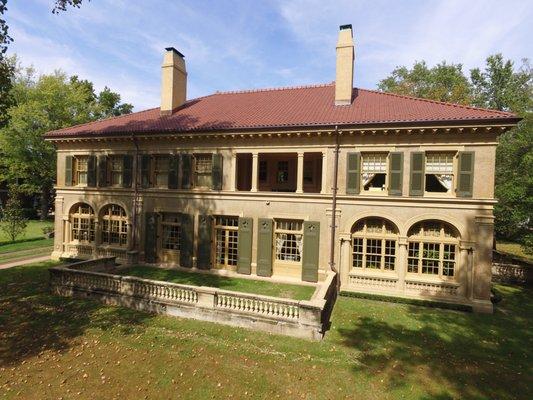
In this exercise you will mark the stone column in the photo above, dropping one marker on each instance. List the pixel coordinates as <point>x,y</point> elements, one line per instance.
<point>464,269</point>
<point>401,263</point>
<point>323,188</point>
<point>344,263</point>
<point>255,177</point>
<point>233,180</point>
<point>300,173</point>
<point>59,229</point>
<point>482,269</point>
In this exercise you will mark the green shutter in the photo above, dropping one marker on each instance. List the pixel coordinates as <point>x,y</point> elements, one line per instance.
<point>68,171</point>
<point>91,171</point>
<point>465,180</point>
<point>145,170</point>
<point>395,174</point>
<point>216,172</point>
<point>244,246</point>
<point>352,173</point>
<point>204,241</point>
<point>264,247</point>
<point>102,171</point>
<point>173,171</point>
<point>311,251</point>
<point>187,240</point>
<point>186,171</point>
<point>417,177</point>
<point>127,168</point>
<point>150,237</point>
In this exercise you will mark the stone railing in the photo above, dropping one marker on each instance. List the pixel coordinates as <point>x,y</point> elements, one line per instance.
<point>304,318</point>
<point>509,269</point>
<point>84,251</point>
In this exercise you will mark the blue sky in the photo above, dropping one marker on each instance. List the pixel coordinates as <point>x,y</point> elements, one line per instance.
<point>230,45</point>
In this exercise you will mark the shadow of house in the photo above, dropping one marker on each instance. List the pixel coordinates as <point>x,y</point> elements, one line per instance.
<point>442,345</point>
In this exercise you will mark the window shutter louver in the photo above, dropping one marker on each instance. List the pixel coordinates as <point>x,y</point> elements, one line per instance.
<point>417,178</point>
<point>91,171</point>
<point>465,181</point>
<point>127,170</point>
<point>186,171</point>
<point>145,170</point>
<point>244,246</point>
<point>264,247</point>
<point>187,240</point>
<point>150,237</point>
<point>311,251</point>
<point>352,173</point>
<point>216,172</point>
<point>204,241</point>
<point>102,171</point>
<point>395,174</point>
<point>68,170</point>
<point>173,171</point>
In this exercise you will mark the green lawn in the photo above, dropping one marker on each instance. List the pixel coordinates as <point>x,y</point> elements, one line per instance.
<point>514,249</point>
<point>52,347</point>
<point>31,244</point>
<point>296,292</point>
<point>33,230</point>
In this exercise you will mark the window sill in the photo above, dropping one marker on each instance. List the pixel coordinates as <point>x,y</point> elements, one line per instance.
<point>374,273</point>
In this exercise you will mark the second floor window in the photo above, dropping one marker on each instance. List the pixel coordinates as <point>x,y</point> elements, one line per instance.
<point>161,164</point>
<point>81,167</point>
<point>116,166</point>
<point>203,167</point>
<point>439,172</point>
<point>373,172</point>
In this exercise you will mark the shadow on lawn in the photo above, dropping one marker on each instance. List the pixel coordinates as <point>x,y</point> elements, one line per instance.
<point>470,356</point>
<point>32,320</point>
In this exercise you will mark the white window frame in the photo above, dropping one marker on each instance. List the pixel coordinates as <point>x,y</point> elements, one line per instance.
<point>283,232</point>
<point>450,171</point>
<point>78,161</point>
<point>376,170</point>
<point>420,238</point>
<point>76,218</point>
<point>114,225</point>
<point>226,233</point>
<point>361,237</point>
<point>170,221</point>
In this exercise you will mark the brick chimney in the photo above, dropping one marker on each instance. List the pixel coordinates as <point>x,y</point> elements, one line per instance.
<point>344,73</point>
<point>173,81</point>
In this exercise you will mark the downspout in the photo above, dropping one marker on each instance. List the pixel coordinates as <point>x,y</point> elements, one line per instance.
<point>334,205</point>
<point>135,194</point>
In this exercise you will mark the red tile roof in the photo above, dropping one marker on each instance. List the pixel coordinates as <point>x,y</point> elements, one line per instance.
<point>286,107</point>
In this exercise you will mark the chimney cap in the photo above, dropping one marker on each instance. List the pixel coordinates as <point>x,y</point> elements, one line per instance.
<point>347,26</point>
<point>175,51</point>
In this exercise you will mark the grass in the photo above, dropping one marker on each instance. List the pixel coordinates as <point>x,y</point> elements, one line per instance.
<point>296,292</point>
<point>31,244</point>
<point>52,347</point>
<point>514,249</point>
<point>34,230</point>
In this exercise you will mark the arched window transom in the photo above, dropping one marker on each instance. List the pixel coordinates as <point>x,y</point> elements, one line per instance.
<point>374,244</point>
<point>114,226</point>
<point>82,223</point>
<point>432,249</point>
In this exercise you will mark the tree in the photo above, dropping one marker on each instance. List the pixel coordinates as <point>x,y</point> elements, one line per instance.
<point>13,223</point>
<point>443,82</point>
<point>61,5</point>
<point>499,86</point>
<point>42,104</point>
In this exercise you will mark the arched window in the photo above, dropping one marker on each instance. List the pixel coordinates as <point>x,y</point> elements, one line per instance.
<point>374,244</point>
<point>114,226</point>
<point>82,223</point>
<point>432,249</point>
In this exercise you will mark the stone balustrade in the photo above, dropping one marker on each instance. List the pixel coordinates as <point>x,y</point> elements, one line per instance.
<point>304,318</point>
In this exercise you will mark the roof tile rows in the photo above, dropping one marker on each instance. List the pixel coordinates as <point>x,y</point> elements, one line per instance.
<point>284,107</point>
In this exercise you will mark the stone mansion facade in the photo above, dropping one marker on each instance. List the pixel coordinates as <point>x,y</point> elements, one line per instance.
<point>394,193</point>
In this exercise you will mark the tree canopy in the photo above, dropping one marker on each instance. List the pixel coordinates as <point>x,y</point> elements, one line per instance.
<point>43,103</point>
<point>498,85</point>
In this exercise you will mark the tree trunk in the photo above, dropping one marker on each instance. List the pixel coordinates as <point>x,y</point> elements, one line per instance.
<point>45,202</point>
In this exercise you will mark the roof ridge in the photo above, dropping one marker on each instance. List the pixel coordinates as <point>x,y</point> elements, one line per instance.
<point>102,120</point>
<point>437,102</point>
<point>272,89</point>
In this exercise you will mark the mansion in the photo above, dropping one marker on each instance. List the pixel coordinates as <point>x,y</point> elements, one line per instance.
<point>393,193</point>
